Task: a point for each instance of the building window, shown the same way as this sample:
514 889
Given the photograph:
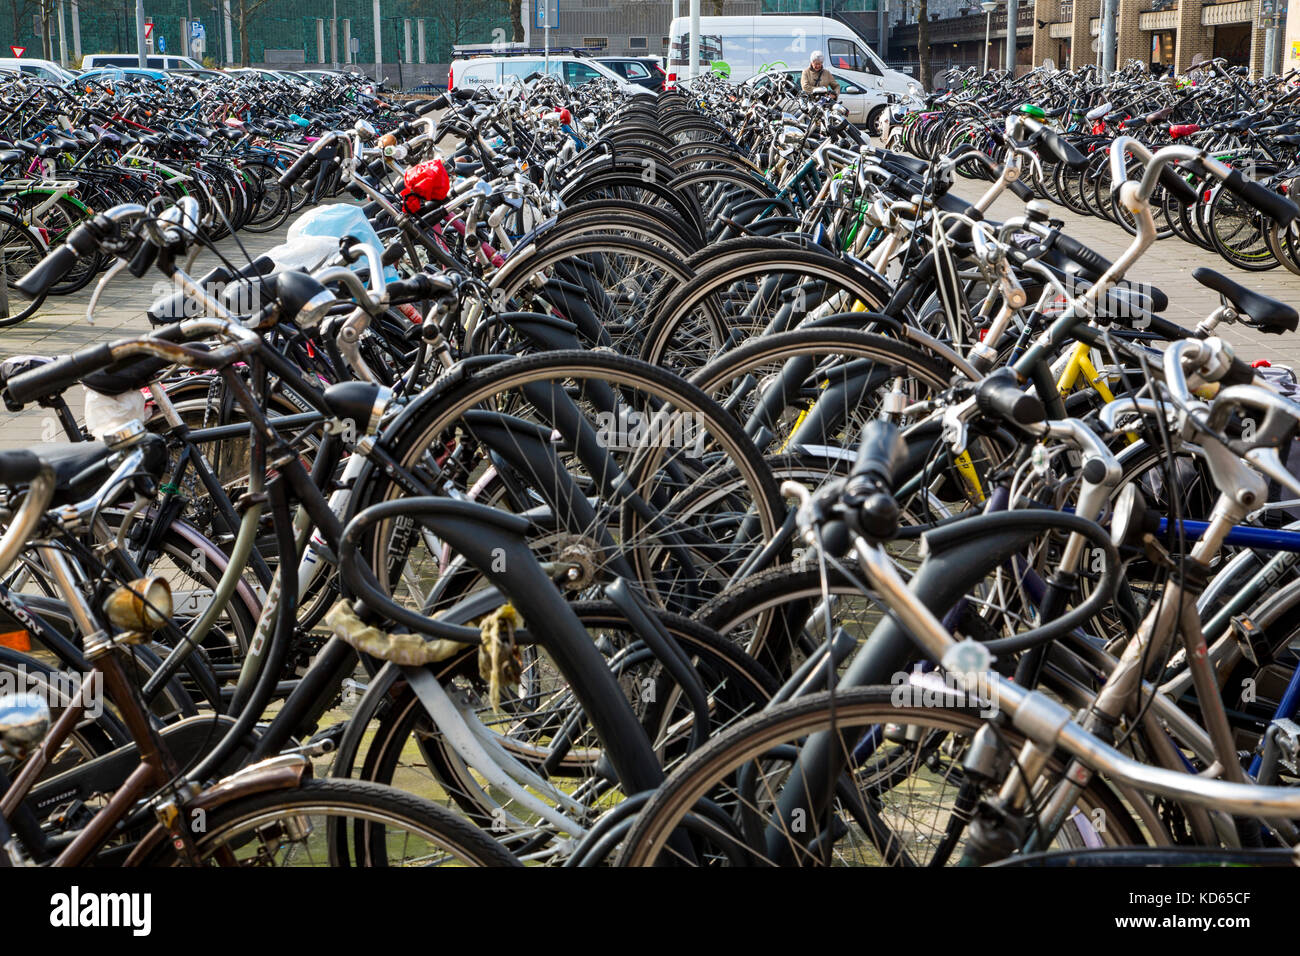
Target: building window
636 43
665 43
598 42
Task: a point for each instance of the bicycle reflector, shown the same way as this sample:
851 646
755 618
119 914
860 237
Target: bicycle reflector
425 182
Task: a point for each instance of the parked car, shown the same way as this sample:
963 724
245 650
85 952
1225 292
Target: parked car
41 69
866 107
109 74
154 61
479 71
641 70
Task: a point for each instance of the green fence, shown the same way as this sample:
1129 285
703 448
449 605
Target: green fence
276 25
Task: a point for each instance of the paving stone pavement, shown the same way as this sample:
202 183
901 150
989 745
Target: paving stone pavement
1168 265
60 326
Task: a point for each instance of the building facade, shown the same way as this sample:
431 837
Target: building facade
1173 33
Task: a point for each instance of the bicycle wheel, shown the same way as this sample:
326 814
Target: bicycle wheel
408 750
54 224
336 823
21 247
619 278
654 481
904 801
1239 233
724 305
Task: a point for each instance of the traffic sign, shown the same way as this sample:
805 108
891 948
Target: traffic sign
354 44
18 50
148 29
162 43
546 14
196 30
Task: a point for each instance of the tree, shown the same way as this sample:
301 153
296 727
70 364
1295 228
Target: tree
465 21
923 42
246 9
715 8
517 20
47 41
21 10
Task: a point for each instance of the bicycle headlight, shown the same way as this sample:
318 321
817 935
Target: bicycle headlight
144 604
303 299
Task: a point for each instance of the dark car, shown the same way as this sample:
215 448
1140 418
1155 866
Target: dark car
641 70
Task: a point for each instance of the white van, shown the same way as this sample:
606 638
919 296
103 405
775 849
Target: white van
41 69
494 71
741 47
153 61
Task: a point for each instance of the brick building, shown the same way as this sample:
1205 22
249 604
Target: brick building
1170 32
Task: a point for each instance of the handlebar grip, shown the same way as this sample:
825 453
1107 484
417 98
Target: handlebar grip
18 467
1062 150
326 160
296 171
880 451
1023 190
1239 372
1085 256
855 134
48 271
1169 331
437 103
58 375
1183 191
1274 205
417 287
1001 395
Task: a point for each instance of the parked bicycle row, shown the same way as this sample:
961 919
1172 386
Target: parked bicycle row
116 136
1251 125
677 480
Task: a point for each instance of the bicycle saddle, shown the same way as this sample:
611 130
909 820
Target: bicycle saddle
1097 112
1267 314
43 150
79 467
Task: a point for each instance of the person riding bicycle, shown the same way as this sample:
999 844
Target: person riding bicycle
816 75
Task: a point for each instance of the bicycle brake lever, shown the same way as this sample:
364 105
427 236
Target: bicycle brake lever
100 286
1269 463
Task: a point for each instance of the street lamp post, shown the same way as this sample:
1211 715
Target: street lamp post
988 6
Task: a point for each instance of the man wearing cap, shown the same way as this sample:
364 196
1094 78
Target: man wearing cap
816 75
